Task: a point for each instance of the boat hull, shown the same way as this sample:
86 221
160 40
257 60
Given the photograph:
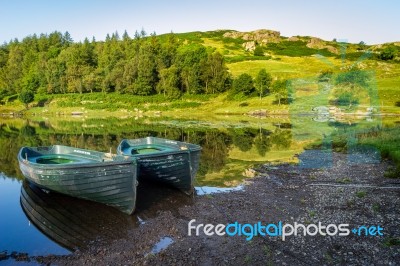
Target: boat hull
111 182
174 163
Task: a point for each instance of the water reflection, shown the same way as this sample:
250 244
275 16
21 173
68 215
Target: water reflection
76 224
71 222
219 146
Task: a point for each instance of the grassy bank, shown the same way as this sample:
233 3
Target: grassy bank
114 104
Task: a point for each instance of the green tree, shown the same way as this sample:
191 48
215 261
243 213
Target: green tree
258 51
243 83
55 76
26 97
147 79
262 82
169 82
191 61
361 46
215 74
280 90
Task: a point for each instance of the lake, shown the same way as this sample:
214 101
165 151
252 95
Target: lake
230 145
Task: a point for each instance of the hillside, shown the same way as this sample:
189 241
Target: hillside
190 69
235 45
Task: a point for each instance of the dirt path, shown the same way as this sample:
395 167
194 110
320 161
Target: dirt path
344 193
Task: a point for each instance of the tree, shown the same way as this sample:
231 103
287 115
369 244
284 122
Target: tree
147 79
262 82
361 46
258 51
215 73
243 83
125 36
169 82
280 90
191 61
67 39
26 97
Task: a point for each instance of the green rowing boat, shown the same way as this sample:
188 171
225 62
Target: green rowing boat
168 161
96 176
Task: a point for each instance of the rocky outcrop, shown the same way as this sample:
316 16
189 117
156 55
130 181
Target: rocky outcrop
317 43
249 46
294 39
259 36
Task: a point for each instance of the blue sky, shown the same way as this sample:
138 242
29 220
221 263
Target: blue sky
371 21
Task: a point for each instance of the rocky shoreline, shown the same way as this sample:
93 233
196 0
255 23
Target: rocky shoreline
357 194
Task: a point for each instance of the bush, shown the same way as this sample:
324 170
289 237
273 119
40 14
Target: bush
26 97
296 48
258 51
388 53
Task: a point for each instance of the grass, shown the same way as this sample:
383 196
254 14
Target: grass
344 180
391 241
361 194
376 207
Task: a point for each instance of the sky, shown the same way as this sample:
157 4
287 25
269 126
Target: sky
370 21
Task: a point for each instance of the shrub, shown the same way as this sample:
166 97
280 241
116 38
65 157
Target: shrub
295 48
258 51
388 53
26 97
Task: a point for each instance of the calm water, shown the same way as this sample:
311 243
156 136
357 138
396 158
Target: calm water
229 147
18 234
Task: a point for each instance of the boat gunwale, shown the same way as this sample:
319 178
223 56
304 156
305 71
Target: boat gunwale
90 164
173 144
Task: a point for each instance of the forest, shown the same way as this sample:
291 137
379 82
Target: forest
142 65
